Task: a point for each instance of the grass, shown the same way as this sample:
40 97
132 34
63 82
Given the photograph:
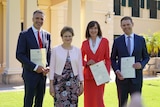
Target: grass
151 96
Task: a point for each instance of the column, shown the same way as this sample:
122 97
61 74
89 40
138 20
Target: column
29 7
4 35
56 25
46 10
1 35
12 71
86 15
108 29
74 20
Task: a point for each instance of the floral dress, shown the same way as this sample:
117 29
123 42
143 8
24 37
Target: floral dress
66 87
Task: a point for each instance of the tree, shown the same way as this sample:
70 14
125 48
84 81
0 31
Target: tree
153 43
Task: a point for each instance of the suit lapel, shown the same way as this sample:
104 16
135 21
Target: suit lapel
135 44
124 44
32 36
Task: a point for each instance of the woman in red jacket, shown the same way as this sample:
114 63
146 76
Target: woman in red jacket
94 49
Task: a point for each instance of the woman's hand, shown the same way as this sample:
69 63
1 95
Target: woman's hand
91 62
81 89
51 89
46 70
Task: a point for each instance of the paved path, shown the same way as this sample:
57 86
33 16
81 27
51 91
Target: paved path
18 87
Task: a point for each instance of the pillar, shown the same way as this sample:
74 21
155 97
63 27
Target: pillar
46 10
29 7
4 35
86 15
74 20
1 35
57 23
12 71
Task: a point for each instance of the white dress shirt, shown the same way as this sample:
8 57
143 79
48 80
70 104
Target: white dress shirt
95 47
35 31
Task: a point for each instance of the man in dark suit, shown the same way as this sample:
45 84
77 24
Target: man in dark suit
34 75
137 49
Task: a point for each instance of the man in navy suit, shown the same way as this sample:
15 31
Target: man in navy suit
34 75
138 49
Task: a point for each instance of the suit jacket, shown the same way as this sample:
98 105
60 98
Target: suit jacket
26 42
102 53
119 50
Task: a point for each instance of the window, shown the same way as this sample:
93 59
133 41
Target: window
129 3
153 9
117 7
158 5
135 8
148 4
123 2
142 3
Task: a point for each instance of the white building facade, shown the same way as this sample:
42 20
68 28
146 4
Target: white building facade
16 15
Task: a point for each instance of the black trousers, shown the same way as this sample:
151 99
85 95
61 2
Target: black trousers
34 91
126 87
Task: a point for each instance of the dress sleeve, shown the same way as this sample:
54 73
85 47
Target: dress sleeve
107 57
84 62
52 63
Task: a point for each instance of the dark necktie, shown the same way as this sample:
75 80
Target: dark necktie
40 41
129 45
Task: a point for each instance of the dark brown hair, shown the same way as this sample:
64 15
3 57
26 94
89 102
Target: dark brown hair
90 25
65 29
127 18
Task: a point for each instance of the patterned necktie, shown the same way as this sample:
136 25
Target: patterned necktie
129 45
39 40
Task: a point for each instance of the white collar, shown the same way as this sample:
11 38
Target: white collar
98 40
35 30
131 35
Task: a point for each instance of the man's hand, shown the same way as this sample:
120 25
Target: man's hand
40 69
137 65
43 70
119 75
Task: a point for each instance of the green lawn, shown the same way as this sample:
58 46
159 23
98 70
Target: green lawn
151 96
